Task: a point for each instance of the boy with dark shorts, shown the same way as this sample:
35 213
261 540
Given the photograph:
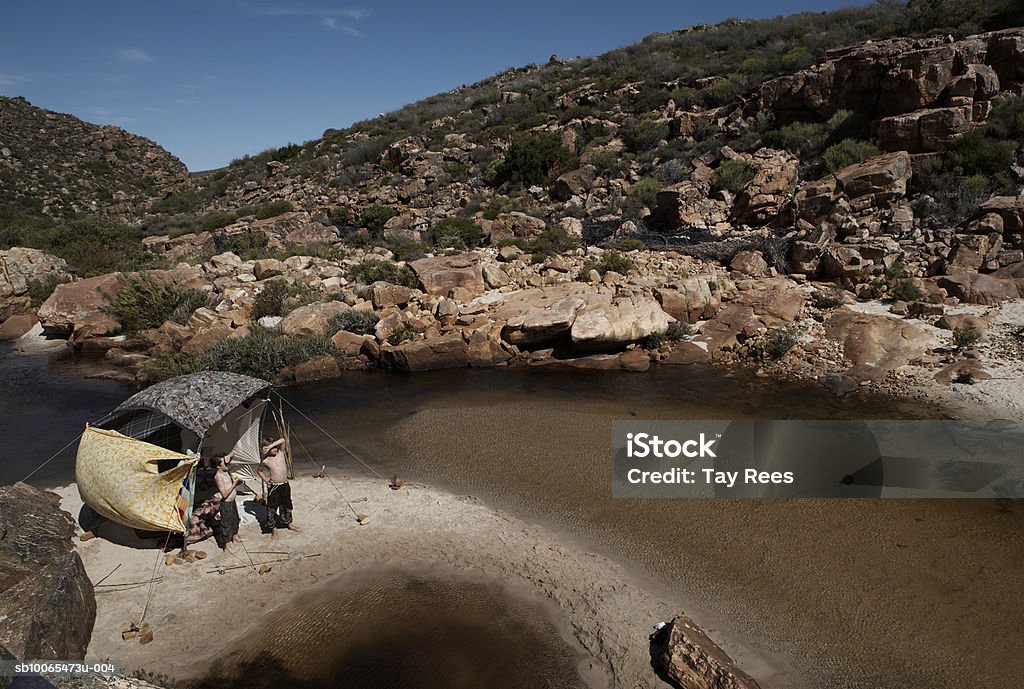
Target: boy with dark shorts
227 533
273 471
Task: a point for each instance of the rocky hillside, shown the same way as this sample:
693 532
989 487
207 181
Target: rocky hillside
57 165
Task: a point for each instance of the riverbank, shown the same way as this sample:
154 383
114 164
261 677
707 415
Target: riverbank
606 610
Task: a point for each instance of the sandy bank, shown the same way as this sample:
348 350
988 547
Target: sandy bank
606 609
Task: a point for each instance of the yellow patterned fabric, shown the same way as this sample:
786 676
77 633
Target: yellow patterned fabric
117 476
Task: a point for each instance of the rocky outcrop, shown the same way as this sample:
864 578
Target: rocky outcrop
981 288
311 320
447 351
19 268
46 599
516 225
768 194
618 321
686 204
445 275
75 306
922 93
575 183
692 661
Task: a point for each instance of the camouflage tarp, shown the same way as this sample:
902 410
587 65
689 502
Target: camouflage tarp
196 401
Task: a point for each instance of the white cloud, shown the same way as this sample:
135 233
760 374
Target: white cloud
353 13
133 56
12 79
332 23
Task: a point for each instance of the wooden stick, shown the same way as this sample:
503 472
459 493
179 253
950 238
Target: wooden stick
268 562
108 576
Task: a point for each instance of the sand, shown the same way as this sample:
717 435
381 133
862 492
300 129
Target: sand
608 610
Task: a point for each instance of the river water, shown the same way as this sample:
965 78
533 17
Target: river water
854 593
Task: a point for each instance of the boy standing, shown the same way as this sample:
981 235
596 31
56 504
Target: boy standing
227 534
279 491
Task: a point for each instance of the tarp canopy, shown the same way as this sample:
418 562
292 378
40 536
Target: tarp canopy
118 477
196 401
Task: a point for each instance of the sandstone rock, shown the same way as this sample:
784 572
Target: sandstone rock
882 179
321 368
968 370
572 226
924 130
494 276
16 326
687 353
731 325
963 321
690 301
46 597
72 303
207 336
267 268
876 344
307 321
635 360
448 351
439 276
484 350
270 322
575 183
406 228
351 344
686 204
516 224
771 189
844 263
979 288
750 263
619 321
384 294
538 316
691 660
18 268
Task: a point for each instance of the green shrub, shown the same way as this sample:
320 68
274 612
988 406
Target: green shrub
40 290
614 261
375 270
965 338
905 290
143 302
641 195
263 353
340 216
456 233
677 332
91 246
169 365
402 333
273 209
848 152
270 300
409 251
214 220
779 341
829 298
629 245
722 92
732 175
976 154
553 240
642 135
250 244
534 159
355 321
374 218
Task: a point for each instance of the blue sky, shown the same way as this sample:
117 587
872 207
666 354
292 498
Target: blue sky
212 80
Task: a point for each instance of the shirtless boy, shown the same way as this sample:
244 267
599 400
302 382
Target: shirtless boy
227 534
273 471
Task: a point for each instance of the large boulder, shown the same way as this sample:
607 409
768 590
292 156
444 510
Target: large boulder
516 225
878 181
75 304
311 320
981 288
47 602
619 321
688 300
771 189
924 130
875 344
686 204
575 183
539 316
18 268
439 276
447 351
691 660
406 228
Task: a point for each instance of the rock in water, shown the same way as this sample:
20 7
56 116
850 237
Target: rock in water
46 598
693 661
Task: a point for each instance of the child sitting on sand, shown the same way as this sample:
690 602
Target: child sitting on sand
279 491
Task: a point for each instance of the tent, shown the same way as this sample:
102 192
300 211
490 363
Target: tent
137 465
